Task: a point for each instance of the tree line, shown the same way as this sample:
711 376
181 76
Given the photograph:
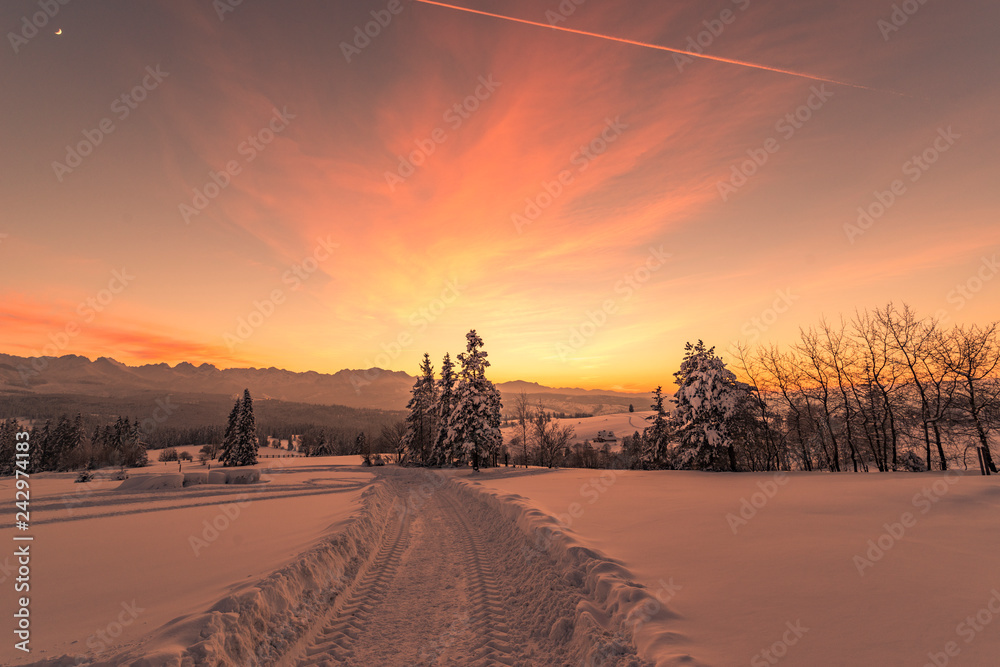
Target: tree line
884 390
67 445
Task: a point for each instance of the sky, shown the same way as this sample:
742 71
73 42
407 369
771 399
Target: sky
264 184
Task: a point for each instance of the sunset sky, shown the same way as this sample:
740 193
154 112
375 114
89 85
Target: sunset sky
374 270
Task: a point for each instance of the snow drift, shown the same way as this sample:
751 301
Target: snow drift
615 602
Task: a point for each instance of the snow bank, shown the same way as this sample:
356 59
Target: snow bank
616 603
258 623
178 480
111 567
795 569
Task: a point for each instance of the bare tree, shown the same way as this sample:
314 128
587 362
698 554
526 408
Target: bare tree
816 369
392 439
915 341
973 354
840 359
881 380
522 415
550 438
787 378
752 368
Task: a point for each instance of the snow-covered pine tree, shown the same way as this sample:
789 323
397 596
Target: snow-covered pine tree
59 444
228 453
707 401
247 442
135 454
444 447
475 419
656 437
421 423
362 447
39 442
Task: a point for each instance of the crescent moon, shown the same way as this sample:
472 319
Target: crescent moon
59 31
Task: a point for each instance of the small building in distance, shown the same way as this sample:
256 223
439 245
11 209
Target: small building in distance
606 436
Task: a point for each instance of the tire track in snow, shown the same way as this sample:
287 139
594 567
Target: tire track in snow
451 586
218 497
488 616
333 646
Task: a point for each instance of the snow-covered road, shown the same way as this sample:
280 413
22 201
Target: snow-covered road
452 584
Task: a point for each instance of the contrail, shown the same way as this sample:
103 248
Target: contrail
691 54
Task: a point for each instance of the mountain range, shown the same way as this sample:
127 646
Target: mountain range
358 388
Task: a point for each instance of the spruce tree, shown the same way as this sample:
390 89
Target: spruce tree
421 423
475 418
708 403
247 443
362 447
39 444
97 453
443 449
135 452
229 445
59 445
8 444
656 437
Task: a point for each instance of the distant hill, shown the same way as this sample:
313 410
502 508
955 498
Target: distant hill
371 388
186 411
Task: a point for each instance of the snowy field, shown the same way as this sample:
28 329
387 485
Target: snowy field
316 565
803 569
109 566
586 428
